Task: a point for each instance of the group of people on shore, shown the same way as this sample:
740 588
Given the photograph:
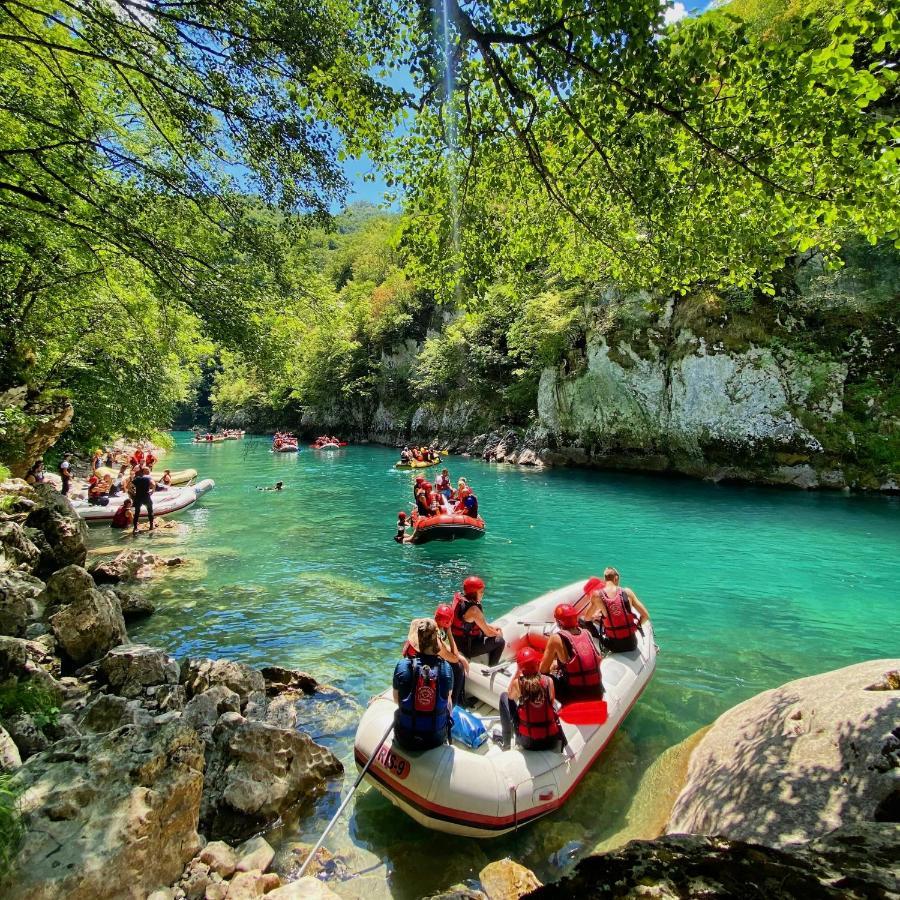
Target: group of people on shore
430 678
419 454
437 499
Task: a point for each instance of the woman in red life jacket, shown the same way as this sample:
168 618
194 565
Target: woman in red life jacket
443 617
528 706
123 516
571 657
474 635
619 612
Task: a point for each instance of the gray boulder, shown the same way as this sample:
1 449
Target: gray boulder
131 668
112 815
133 605
17 549
107 712
63 531
792 764
203 710
278 679
10 758
199 675
129 565
18 602
91 623
26 735
256 772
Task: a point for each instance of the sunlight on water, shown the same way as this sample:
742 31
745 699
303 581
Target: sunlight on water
748 588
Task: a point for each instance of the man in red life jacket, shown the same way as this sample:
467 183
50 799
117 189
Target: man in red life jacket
572 659
618 611
474 635
527 707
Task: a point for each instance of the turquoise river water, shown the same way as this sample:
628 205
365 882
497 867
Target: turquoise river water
748 588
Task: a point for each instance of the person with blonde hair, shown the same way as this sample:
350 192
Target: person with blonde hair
422 687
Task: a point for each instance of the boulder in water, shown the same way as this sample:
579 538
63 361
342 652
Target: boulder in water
256 772
279 680
793 763
129 565
505 879
133 604
111 815
199 675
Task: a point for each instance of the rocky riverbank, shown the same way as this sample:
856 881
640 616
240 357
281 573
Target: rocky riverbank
136 772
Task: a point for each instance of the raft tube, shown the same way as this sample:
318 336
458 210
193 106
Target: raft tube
165 503
182 476
446 527
417 464
489 792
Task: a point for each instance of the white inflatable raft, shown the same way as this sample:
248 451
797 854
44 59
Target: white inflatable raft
165 502
180 476
489 792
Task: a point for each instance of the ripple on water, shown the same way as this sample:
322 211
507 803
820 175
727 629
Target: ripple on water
741 583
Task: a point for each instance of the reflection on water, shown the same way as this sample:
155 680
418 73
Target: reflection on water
748 588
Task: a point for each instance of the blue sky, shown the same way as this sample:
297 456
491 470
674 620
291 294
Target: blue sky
373 192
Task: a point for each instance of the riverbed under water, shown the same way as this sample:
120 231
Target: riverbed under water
747 588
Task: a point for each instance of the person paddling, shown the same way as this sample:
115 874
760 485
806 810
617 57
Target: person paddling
527 708
422 686
472 631
571 658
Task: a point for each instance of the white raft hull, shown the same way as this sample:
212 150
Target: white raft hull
489 792
165 503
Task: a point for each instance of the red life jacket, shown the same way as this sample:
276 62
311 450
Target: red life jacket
621 622
537 719
460 628
408 650
583 668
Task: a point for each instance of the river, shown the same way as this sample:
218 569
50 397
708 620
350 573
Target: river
747 588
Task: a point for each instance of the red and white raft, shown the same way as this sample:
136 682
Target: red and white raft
489 792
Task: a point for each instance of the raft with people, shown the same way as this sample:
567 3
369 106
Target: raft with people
167 502
177 478
448 526
284 442
327 443
478 787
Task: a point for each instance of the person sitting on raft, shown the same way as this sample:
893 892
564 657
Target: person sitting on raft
443 617
422 686
404 455
613 607
571 658
468 506
471 630
123 516
98 492
527 708
422 505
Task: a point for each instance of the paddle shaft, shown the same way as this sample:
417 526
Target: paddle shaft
345 801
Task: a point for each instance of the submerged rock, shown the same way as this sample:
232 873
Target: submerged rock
255 772
848 864
129 565
794 763
108 816
133 605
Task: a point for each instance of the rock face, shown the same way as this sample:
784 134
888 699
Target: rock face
63 532
109 816
254 772
18 606
90 622
131 668
47 418
849 864
794 763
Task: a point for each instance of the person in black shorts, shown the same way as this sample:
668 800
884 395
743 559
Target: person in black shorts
142 485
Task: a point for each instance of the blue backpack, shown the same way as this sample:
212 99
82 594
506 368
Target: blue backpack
467 728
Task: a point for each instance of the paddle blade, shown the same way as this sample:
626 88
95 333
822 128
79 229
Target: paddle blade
587 712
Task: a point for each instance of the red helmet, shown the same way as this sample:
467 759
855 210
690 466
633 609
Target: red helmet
401 514
472 585
443 615
592 585
566 615
529 661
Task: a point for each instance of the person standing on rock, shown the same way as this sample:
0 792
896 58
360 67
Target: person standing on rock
65 473
142 485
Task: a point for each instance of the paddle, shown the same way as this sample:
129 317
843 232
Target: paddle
586 712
